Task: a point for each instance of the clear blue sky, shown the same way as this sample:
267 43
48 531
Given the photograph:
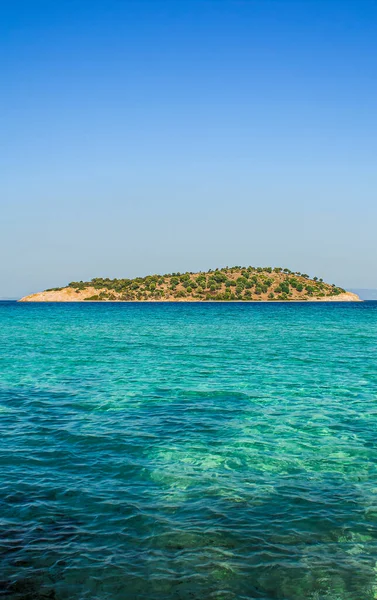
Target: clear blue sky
142 136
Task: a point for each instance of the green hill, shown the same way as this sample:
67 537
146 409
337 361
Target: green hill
226 284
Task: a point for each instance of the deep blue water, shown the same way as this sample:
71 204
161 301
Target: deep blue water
188 451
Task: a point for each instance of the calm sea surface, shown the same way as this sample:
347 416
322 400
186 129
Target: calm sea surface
188 452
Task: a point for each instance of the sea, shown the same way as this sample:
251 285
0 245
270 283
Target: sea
188 451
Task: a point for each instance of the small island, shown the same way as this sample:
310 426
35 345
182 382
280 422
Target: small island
229 284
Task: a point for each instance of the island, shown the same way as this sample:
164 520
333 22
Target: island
228 284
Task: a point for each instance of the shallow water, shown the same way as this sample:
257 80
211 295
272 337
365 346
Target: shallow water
189 452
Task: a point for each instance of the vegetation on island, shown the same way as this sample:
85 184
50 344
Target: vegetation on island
226 284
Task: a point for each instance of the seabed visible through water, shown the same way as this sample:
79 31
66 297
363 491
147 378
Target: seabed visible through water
188 451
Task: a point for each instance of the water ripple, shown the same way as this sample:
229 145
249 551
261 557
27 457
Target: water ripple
188 452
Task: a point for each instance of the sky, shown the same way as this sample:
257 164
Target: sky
152 136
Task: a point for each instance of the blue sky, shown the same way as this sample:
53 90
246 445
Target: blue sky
145 136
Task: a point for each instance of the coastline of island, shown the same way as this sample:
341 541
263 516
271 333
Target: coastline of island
229 284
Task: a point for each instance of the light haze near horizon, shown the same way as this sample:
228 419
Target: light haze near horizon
156 136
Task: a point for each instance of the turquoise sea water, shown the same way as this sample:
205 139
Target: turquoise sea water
188 452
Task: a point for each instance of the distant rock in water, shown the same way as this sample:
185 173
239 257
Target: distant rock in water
230 284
